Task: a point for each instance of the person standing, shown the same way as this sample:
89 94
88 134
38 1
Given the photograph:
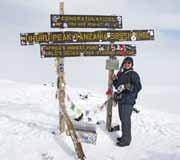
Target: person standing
127 83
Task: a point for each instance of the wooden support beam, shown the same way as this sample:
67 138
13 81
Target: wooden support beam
111 64
61 81
110 101
63 115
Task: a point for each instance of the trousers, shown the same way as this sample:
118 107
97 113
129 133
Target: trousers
125 112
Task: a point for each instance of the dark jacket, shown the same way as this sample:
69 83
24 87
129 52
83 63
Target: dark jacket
132 77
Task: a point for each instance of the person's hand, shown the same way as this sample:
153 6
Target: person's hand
114 77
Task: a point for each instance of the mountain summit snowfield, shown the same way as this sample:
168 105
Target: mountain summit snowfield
29 113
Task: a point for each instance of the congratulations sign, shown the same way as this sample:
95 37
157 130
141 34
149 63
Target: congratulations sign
85 21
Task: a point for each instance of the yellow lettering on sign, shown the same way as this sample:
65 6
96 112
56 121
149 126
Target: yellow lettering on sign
143 35
121 35
72 24
29 38
54 37
74 18
65 37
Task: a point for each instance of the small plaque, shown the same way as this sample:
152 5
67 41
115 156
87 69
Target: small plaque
112 64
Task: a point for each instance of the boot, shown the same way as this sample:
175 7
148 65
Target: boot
122 144
119 139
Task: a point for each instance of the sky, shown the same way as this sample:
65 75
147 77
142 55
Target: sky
156 61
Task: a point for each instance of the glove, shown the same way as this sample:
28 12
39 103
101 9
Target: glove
114 77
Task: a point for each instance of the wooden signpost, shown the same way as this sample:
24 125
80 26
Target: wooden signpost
72 44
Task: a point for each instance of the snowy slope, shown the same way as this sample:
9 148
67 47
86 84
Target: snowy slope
29 112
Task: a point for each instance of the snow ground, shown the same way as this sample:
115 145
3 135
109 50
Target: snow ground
29 113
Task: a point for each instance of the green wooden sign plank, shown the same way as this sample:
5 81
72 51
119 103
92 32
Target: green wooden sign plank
85 21
97 36
75 50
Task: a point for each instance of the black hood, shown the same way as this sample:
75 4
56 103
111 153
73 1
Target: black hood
128 59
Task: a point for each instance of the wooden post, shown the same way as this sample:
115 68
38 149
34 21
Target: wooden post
111 64
61 81
63 115
110 101
72 132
